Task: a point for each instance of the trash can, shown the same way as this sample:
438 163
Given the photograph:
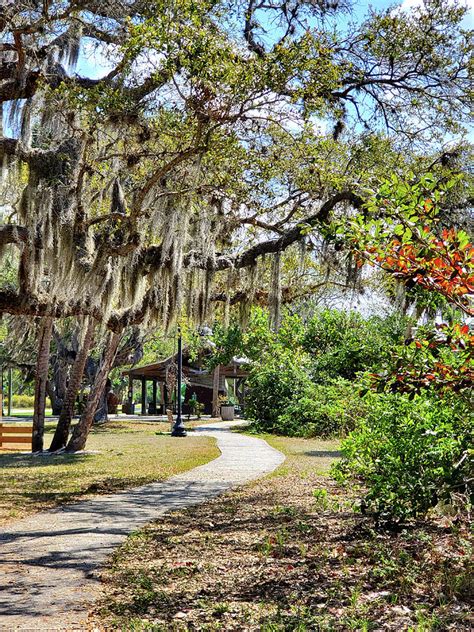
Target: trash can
128 408
228 412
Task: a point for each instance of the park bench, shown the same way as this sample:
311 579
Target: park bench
15 434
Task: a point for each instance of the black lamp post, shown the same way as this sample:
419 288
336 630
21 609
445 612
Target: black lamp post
178 429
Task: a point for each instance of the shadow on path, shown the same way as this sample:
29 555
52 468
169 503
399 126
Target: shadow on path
50 562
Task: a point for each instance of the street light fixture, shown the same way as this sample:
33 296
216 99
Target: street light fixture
178 429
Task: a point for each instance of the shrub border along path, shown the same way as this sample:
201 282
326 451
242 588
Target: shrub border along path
49 562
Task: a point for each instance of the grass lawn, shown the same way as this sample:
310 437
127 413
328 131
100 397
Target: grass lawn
129 454
289 552
26 412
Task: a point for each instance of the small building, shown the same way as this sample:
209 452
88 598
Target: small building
201 384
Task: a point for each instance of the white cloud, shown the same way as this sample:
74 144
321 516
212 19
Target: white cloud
468 21
406 5
409 4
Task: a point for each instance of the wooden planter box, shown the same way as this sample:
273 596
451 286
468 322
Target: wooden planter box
228 413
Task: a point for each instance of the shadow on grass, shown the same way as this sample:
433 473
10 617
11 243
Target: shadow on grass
87 534
29 460
105 486
329 563
322 454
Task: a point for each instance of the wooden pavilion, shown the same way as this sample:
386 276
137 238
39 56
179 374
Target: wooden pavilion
204 385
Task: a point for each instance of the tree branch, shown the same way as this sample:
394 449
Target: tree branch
249 257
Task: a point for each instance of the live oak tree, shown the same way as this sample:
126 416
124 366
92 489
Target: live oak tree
209 145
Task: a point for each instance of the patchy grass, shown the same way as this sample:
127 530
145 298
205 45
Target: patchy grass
304 457
130 454
289 552
158 426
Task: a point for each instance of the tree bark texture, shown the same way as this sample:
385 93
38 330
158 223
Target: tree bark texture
64 423
42 365
81 430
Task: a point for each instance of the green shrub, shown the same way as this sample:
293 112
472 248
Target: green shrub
324 410
23 401
343 344
280 378
410 455
283 400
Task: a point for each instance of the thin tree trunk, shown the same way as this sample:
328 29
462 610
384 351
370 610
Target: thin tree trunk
64 422
59 386
81 430
42 365
102 412
51 393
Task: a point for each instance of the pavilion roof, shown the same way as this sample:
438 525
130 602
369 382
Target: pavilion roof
157 370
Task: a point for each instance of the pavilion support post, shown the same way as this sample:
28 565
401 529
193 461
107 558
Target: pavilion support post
130 392
215 392
239 389
154 397
163 397
144 396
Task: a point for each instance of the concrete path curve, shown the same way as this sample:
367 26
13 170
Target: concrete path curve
49 562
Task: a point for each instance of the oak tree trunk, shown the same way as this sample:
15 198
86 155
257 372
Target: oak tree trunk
81 430
59 385
64 423
42 365
51 393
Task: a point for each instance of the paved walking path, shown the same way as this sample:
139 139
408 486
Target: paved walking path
50 562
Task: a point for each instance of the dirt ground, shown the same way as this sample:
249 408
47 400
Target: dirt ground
290 552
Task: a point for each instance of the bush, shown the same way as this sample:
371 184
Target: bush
324 410
409 454
279 379
23 401
344 344
282 399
